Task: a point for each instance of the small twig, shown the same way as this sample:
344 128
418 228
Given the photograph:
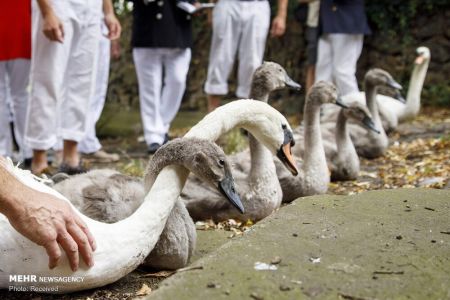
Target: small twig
389 272
429 208
166 274
445 232
350 297
189 269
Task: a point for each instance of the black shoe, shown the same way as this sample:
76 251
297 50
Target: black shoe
153 147
27 163
166 138
65 168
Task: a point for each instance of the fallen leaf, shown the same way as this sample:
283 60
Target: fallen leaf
145 290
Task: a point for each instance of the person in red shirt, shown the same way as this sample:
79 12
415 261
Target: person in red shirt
15 55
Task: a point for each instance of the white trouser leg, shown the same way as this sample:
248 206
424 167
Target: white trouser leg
227 32
5 132
81 74
19 74
148 63
324 68
176 67
256 22
346 50
90 142
48 65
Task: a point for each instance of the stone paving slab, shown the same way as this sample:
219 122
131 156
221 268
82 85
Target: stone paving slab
390 244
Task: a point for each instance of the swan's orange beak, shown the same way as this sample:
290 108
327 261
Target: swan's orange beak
285 155
419 60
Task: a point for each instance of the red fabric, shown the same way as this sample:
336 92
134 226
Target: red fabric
15 29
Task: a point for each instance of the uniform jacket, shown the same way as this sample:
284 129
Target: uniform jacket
343 16
160 24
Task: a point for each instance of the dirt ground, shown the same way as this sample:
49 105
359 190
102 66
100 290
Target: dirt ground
418 157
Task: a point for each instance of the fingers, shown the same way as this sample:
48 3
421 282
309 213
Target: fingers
60 33
53 252
54 29
55 34
86 231
83 244
278 28
71 248
114 30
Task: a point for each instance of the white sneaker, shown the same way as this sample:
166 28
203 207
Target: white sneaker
102 156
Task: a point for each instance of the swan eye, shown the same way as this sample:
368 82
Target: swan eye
221 162
283 126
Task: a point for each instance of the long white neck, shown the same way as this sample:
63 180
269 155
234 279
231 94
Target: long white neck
412 106
239 113
371 94
378 140
261 157
315 163
343 141
121 246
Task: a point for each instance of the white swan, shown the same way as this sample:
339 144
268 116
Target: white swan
122 246
259 189
314 176
368 143
393 110
410 109
343 161
108 196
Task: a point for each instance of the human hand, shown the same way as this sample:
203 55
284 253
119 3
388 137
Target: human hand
115 49
278 26
209 17
53 28
48 221
113 25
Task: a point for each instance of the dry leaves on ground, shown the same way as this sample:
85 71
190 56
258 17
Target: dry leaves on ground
418 163
144 290
235 227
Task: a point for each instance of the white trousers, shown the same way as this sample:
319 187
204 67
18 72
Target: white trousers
90 142
336 60
161 74
62 76
14 79
238 27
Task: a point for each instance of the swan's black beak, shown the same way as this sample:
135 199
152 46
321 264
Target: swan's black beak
394 84
285 153
226 187
398 96
340 103
291 83
370 125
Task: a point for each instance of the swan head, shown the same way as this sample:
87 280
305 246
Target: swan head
423 55
360 114
209 163
378 77
271 129
324 92
399 97
271 76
